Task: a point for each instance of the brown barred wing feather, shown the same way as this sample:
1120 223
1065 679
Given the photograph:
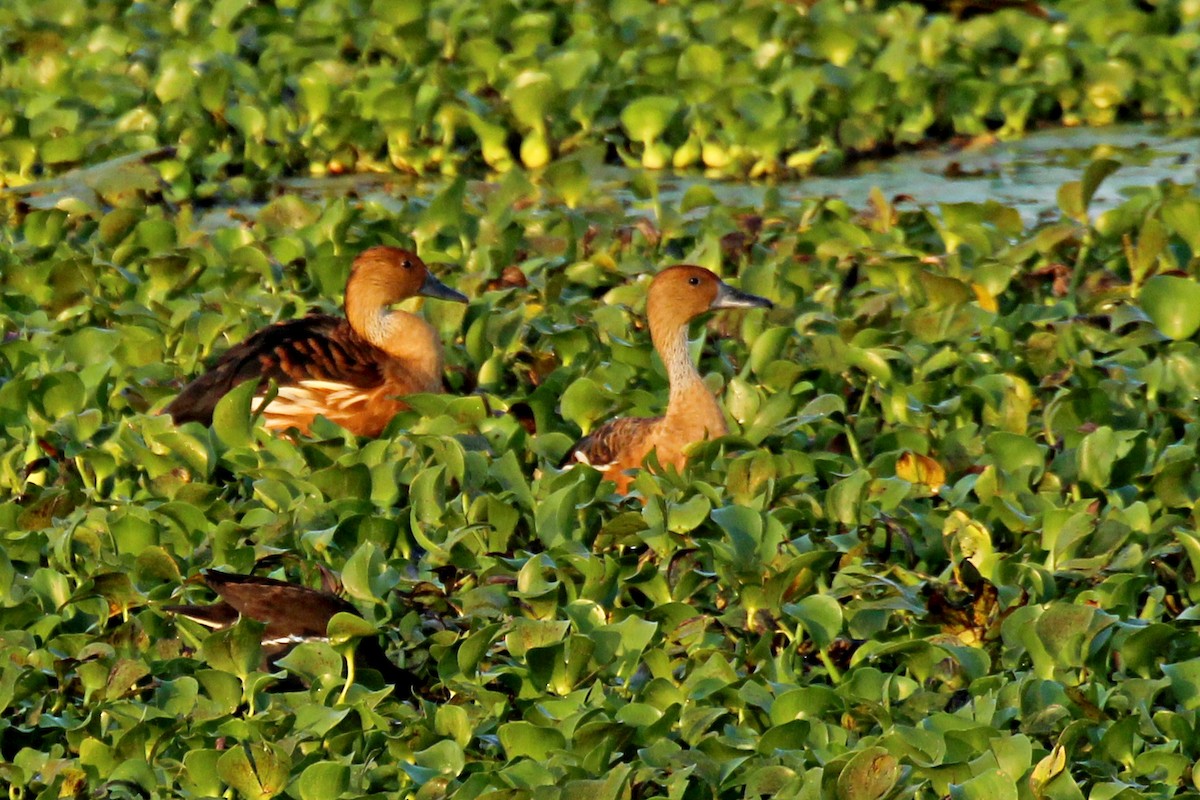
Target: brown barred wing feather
316 347
619 444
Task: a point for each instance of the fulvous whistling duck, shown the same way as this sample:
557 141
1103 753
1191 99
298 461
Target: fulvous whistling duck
677 295
349 369
292 614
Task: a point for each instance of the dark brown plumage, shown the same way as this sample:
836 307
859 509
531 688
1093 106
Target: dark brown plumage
350 369
317 347
291 613
605 444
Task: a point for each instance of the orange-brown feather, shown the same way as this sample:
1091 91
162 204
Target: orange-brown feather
677 295
351 370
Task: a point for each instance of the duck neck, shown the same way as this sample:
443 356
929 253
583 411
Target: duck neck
412 342
690 398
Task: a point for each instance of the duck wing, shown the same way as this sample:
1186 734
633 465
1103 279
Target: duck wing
317 347
614 442
288 609
292 614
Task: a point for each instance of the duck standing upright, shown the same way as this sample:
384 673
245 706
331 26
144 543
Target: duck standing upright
351 369
677 295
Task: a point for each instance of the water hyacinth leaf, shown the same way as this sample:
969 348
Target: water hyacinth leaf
1066 632
821 616
233 424
1048 768
584 402
920 469
787 736
312 661
526 740
472 651
1173 304
177 697
847 497
133 772
530 96
1143 650
445 756
366 576
223 689
990 785
527 634
1099 451
258 770
869 775
1182 216
345 627
1013 452
453 721
323 779
1094 175
124 676
225 12
645 118
320 720
63 394
200 772
236 650
1184 677
683 517
614 786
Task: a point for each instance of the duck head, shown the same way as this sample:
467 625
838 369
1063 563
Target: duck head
391 274
680 293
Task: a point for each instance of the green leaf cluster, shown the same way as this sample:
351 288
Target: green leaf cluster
241 92
949 549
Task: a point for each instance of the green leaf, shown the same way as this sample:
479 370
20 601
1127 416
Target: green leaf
445 757
1184 677
1012 452
1182 216
233 424
63 394
236 650
258 770
869 775
344 627
990 785
200 772
645 118
323 780
584 402
847 497
1066 632
1173 304
526 740
821 616
1099 451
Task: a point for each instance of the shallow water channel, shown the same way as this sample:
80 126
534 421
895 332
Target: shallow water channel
1024 173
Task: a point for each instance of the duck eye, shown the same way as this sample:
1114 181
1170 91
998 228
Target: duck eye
694 281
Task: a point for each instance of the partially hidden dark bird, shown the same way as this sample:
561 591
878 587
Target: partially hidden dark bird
677 295
353 370
292 614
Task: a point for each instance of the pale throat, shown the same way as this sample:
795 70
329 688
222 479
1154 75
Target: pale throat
690 401
405 337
